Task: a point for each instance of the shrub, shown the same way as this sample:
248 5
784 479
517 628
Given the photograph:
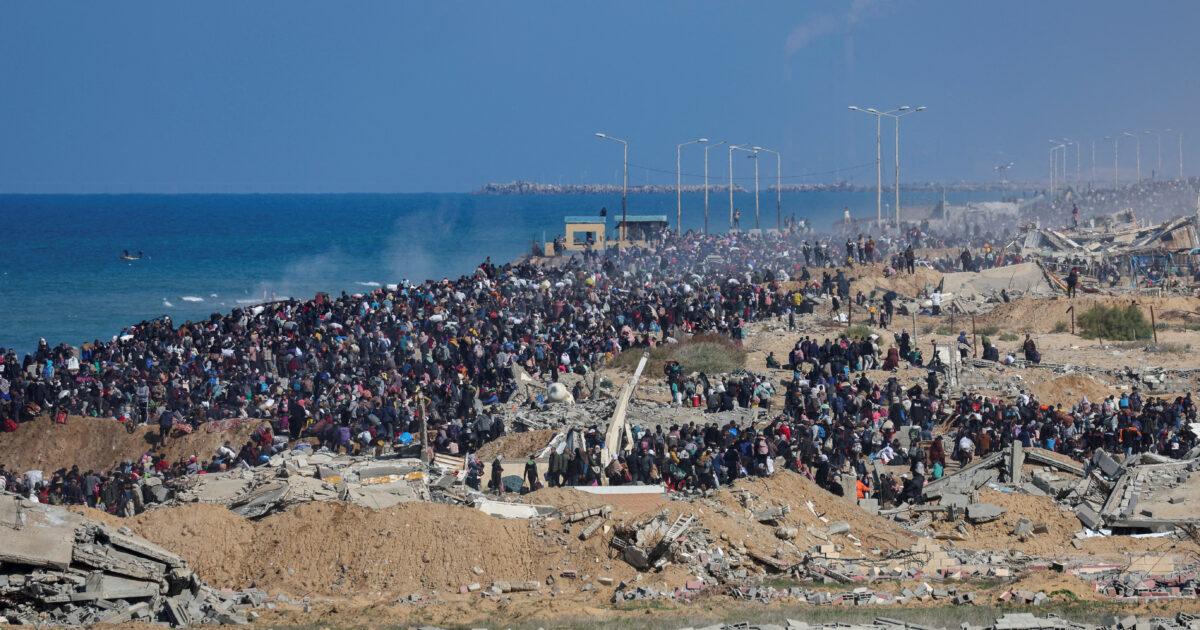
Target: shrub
1060 327
1009 337
1116 323
945 329
988 330
711 354
857 330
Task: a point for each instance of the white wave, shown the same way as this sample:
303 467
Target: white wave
368 284
167 304
249 301
191 298
212 295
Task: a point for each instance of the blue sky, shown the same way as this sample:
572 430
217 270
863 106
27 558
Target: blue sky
445 96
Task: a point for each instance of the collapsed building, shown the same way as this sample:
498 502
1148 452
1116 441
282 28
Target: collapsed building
60 568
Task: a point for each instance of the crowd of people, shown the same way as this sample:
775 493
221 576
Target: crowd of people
356 372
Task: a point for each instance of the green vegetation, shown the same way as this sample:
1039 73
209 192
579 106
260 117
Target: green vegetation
1116 323
988 330
1009 337
711 354
945 329
1060 327
857 330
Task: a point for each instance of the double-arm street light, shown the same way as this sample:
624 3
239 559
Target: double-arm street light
679 185
731 148
1068 142
1158 171
1138 141
778 186
624 180
1054 165
754 156
706 182
906 111
879 156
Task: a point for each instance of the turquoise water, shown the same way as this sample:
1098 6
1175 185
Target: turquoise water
62 277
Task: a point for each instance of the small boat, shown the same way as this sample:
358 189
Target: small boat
125 255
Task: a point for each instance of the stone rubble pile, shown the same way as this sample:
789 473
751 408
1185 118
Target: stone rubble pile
58 568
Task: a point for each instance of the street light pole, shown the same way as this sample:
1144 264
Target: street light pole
1180 149
1158 171
1138 144
897 118
778 186
624 183
679 186
706 182
1116 161
731 148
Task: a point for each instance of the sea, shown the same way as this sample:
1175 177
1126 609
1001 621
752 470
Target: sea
62 277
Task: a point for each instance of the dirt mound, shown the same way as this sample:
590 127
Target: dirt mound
1068 390
517 445
1059 586
338 549
868 278
101 443
1041 315
997 534
210 537
788 488
566 499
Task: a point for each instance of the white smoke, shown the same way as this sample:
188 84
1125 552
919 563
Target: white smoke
827 24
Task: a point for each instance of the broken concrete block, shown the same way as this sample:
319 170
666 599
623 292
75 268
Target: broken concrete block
1106 464
1089 517
984 512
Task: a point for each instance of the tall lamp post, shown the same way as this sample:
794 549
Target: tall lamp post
778 186
1180 150
706 182
878 157
754 156
731 148
1138 143
624 181
1054 166
897 118
1068 141
679 186
1116 161
1158 171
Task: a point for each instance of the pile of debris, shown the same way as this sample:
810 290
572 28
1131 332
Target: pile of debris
298 476
60 568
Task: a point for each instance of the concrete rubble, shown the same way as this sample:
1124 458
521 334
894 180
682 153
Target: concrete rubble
59 568
299 476
1144 493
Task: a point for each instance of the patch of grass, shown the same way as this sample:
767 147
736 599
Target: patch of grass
988 330
1116 323
1009 337
857 330
711 354
945 329
1191 326
925 330
1174 348
1061 327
